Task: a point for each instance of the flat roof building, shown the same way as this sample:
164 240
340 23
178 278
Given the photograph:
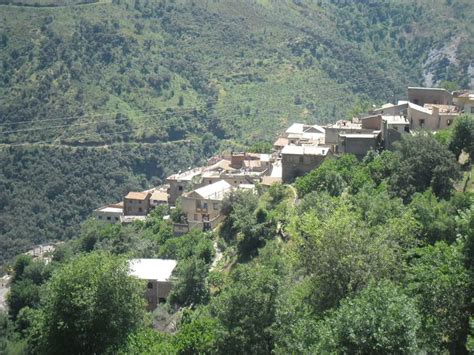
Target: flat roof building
298 160
158 274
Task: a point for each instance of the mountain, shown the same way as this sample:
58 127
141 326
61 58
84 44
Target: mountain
82 83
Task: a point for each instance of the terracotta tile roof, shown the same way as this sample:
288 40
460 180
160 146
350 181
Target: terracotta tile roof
137 195
158 195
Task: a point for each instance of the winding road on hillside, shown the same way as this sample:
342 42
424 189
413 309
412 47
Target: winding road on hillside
89 145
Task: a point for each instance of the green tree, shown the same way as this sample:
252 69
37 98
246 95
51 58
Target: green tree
21 262
25 289
23 293
90 305
6 330
194 244
148 341
198 333
190 289
245 309
436 217
342 255
380 320
446 84
295 325
361 106
333 176
470 338
261 147
238 209
437 280
463 136
424 163
381 165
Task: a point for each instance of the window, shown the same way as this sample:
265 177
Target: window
161 300
100 217
140 202
215 205
198 205
210 182
301 160
150 285
180 188
422 122
472 109
140 209
204 206
449 122
116 218
416 101
108 218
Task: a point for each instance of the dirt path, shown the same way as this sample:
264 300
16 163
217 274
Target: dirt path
4 288
218 256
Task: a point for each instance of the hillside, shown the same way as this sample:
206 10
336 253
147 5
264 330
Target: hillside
125 72
254 64
356 257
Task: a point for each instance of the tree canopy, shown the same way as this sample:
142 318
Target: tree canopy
90 305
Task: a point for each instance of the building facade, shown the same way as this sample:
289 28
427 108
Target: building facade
203 205
157 274
421 96
299 160
136 204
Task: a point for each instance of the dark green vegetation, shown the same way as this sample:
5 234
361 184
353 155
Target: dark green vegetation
45 192
366 267
151 71
220 66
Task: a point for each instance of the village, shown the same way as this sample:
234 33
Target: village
199 192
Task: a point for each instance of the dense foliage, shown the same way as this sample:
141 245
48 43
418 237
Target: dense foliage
92 74
361 271
371 256
45 192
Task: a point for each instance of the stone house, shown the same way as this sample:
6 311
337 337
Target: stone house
136 204
355 137
109 214
437 96
178 183
299 160
303 134
391 126
203 205
157 273
465 101
430 117
359 144
158 198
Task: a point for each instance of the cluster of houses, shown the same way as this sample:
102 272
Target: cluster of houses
300 149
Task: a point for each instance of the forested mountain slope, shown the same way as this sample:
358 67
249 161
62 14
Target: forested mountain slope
161 71
240 64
